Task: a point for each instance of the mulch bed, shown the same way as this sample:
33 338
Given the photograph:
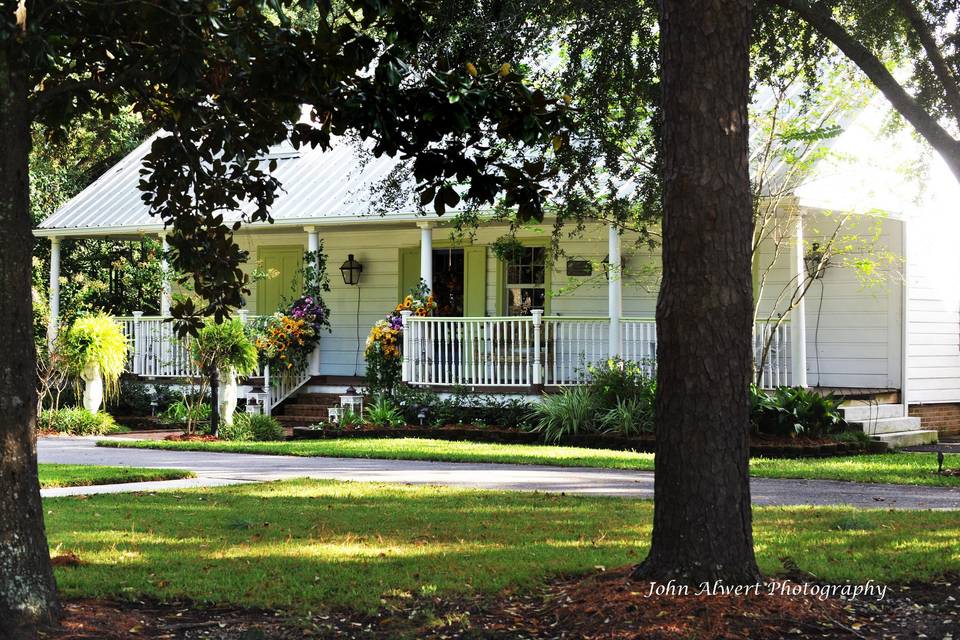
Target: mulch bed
766 446
607 605
191 437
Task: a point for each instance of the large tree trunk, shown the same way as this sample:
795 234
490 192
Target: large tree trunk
27 589
702 519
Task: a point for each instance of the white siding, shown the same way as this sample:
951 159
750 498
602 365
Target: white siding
857 344
853 330
933 274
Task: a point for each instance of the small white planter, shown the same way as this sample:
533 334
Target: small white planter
92 387
228 395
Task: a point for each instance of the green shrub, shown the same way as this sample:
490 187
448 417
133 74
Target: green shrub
133 400
239 431
77 422
629 418
796 411
618 380
383 413
264 428
570 412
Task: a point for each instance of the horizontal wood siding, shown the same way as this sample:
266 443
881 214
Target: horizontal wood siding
934 298
853 346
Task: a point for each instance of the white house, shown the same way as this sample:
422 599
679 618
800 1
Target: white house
894 347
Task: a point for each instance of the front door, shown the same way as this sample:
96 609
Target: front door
459 279
284 282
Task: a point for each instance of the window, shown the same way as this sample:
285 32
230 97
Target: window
526 286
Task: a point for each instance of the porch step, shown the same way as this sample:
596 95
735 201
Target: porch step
297 421
899 439
885 425
865 412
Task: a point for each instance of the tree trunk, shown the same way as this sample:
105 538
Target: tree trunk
214 401
27 589
702 518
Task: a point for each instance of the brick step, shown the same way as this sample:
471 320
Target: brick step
298 421
869 412
886 425
298 409
329 399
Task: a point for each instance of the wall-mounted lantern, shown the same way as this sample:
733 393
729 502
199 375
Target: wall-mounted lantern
351 270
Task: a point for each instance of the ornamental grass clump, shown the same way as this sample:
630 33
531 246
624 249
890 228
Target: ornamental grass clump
95 345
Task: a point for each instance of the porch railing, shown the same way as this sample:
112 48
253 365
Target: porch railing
157 352
523 351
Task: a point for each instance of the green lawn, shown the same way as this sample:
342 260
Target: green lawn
83 475
902 468
304 545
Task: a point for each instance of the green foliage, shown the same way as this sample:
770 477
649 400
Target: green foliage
238 431
185 411
571 412
462 407
116 276
796 411
618 379
224 345
383 413
350 418
96 340
350 61
134 399
77 422
629 418
265 428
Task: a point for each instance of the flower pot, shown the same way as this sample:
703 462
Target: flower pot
92 387
228 395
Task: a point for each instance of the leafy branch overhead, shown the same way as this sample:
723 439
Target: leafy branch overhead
225 81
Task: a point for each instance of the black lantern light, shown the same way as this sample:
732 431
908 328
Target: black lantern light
351 270
815 262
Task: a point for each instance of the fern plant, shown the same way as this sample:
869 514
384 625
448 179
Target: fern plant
96 340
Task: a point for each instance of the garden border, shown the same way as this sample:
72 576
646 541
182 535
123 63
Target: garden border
591 441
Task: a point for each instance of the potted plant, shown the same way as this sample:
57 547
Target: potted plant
226 352
95 351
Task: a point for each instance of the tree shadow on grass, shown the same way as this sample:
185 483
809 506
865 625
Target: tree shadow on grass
309 545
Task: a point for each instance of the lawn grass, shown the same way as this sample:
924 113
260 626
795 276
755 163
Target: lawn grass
897 468
84 475
305 545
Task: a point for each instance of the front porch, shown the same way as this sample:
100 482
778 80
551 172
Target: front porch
515 353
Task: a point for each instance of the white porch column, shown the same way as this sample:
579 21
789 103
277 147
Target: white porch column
313 245
426 253
53 322
165 268
798 320
614 290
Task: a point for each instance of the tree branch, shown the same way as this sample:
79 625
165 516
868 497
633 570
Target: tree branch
940 67
925 124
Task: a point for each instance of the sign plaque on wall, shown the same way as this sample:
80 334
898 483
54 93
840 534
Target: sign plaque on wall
579 268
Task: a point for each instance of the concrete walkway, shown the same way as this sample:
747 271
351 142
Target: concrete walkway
215 469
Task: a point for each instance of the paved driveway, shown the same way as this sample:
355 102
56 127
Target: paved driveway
214 469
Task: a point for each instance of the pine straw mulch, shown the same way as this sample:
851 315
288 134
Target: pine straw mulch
603 606
191 437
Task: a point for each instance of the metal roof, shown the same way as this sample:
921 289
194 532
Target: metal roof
318 187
